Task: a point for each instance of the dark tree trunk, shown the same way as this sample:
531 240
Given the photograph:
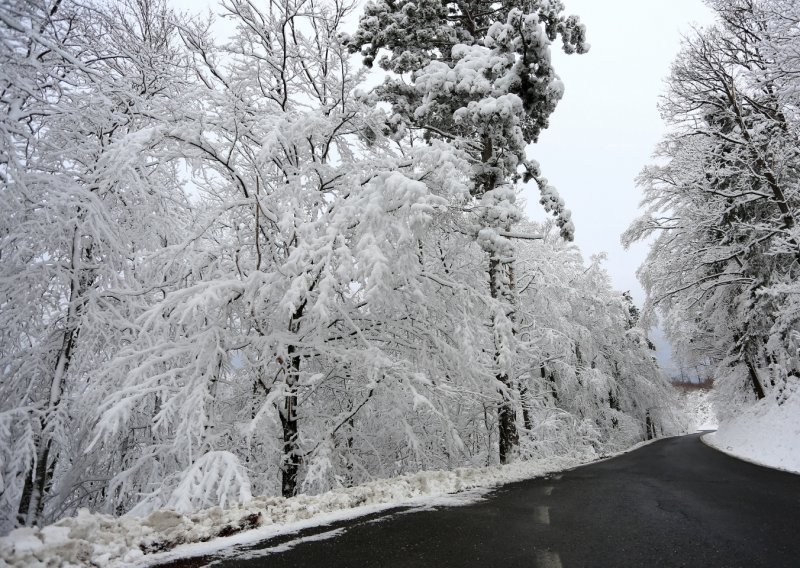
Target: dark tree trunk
648 424
37 484
758 390
291 459
550 377
509 437
43 481
25 500
524 396
292 456
291 449
506 413
38 481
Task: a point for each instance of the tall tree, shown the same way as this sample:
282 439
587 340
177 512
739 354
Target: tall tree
478 74
302 273
724 201
86 197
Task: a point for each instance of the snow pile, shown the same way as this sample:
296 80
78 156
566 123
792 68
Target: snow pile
699 407
95 539
767 433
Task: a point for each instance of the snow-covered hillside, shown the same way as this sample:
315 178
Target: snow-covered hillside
766 433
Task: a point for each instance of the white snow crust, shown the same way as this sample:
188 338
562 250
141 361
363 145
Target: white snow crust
94 539
767 433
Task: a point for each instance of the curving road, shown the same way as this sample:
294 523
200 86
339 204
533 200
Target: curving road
674 503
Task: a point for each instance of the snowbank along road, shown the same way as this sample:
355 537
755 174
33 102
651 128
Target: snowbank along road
674 503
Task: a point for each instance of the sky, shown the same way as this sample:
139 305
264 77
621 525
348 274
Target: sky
607 125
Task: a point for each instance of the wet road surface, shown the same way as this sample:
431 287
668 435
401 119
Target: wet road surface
673 503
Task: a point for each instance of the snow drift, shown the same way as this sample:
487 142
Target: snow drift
766 433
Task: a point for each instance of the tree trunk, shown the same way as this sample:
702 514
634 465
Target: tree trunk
755 383
291 450
506 413
25 500
292 457
38 482
509 437
550 378
42 483
524 395
649 426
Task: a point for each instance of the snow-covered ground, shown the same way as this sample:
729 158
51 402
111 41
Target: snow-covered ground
93 539
766 433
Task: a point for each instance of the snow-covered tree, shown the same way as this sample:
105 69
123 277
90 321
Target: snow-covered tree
587 375
724 199
86 196
478 74
226 271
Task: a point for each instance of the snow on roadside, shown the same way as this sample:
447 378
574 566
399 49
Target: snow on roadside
766 434
223 546
94 539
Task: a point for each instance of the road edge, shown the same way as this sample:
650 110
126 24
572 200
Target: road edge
730 453
217 545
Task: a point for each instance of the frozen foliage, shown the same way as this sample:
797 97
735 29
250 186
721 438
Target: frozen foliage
216 477
723 203
478 74
699 407
767 433
226 271
86 199
586 354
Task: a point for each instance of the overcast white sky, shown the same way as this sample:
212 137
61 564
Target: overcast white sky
606 127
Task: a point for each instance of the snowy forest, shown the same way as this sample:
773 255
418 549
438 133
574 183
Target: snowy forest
723 204
230 267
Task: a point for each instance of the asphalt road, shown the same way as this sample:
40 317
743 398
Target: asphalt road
672 503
